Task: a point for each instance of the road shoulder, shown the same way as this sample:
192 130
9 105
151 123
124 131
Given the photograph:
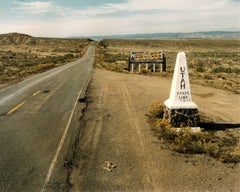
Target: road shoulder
115 129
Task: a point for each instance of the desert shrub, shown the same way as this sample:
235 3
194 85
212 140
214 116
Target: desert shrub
111 66
202 57
156 110
190 142
114 67
230 157
144 71
110 58
190 65
207 76
164 130
112 62
200 67
59 50
221 76
226 70
103 43
212 149
187 141
184 140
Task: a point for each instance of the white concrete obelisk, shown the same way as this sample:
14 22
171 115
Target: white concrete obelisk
180 110
180 95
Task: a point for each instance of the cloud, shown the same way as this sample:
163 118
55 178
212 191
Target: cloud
176 5
127 8
37 8
47 18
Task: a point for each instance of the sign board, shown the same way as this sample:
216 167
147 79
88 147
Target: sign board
146 56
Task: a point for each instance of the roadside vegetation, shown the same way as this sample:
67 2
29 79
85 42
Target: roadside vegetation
211 62
22 55
222 145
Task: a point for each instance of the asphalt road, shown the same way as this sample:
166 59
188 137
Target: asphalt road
38 126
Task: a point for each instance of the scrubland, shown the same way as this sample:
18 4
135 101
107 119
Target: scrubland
222 145
23 55
211 62
117 127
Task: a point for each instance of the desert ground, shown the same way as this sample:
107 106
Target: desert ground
211 62
116 129
115 126
22 55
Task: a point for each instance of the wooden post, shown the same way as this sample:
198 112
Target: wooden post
164 63
129 64
132 67
139 66
154 67
146 66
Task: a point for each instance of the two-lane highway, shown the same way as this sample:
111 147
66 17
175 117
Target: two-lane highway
38 117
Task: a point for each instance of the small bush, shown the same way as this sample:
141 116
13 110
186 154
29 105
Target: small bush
207 76
200 66
184 140
226 70
232 156
190 142
212 149
164 130
156 110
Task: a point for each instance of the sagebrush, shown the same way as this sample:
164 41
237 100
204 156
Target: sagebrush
184 140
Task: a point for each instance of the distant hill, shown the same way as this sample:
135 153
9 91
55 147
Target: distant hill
19 38
16 38
194 35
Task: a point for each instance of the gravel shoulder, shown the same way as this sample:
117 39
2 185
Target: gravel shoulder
114 128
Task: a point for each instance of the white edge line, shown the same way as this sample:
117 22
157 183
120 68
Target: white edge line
54 161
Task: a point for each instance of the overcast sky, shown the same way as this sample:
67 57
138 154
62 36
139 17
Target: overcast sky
63 18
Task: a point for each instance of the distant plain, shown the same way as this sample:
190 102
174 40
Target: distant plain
211 62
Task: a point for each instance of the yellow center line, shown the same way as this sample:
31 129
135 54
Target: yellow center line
36 93
16 108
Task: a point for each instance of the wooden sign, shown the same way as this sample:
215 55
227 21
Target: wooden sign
146 56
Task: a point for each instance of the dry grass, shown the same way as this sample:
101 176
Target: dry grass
218 144
214 63
23 55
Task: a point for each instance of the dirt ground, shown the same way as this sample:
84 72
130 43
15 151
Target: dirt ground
115 129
